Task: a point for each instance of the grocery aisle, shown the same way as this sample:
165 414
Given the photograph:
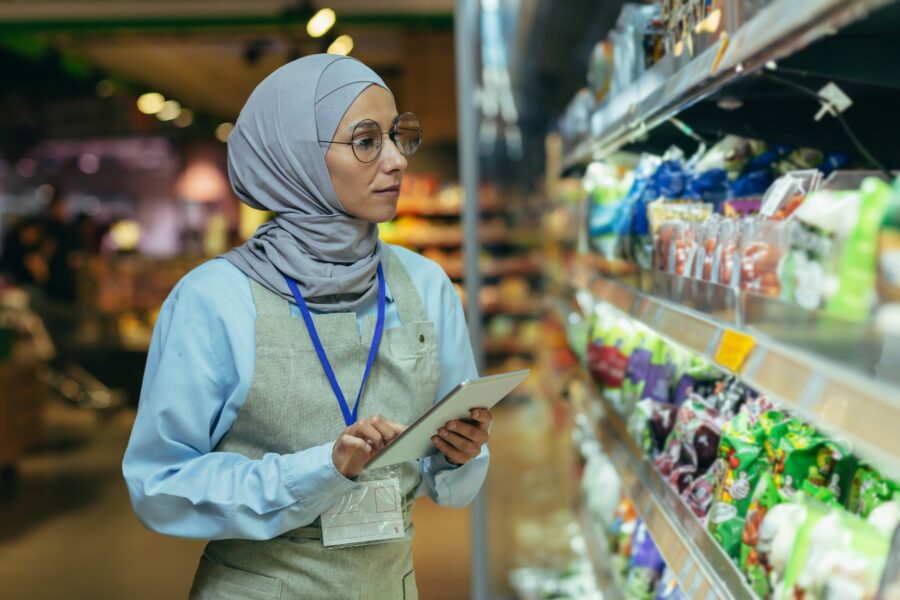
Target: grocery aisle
68 531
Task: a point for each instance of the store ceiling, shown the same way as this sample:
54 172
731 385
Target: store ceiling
210 54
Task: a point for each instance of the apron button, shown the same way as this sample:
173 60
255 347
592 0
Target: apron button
421 339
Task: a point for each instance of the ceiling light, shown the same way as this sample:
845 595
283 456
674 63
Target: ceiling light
223 131
170 111
185 119
343 45
321 22
151 103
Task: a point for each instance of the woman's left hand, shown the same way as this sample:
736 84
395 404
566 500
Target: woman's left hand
460 441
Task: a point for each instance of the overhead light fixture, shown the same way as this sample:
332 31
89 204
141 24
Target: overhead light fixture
321 22
170 111
151 103
223 131
185 119
730 103
343 45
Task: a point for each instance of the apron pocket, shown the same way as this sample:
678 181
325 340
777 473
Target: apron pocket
410 592
218 582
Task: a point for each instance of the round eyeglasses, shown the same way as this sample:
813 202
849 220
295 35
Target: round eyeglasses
367 139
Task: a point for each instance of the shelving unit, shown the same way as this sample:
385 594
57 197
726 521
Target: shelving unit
831 395
675 83
598 551
702 568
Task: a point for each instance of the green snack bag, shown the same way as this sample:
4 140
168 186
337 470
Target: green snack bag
774 426
741 458
858 264
868 491
802 455
842 476
754 561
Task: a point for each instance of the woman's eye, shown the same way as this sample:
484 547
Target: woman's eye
364 143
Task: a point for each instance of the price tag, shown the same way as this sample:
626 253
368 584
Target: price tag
734 349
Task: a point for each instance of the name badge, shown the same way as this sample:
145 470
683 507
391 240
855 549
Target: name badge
372 512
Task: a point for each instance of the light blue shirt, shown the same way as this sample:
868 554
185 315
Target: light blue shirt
199 369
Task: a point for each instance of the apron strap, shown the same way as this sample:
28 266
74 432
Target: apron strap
269 303
406 296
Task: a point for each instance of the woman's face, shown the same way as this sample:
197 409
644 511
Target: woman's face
368 191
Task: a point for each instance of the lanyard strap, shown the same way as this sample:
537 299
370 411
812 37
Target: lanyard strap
349 417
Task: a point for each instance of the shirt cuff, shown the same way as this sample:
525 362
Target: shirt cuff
310 475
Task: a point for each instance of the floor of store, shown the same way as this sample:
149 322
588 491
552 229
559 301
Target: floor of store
67 529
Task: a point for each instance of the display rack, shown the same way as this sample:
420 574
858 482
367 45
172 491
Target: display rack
675 83
702 568
836 398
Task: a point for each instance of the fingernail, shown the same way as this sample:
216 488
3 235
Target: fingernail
443 432
452 426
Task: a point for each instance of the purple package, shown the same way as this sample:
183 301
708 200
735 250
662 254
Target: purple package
683 388
638 365
644 554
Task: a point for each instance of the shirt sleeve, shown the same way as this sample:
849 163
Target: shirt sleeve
191 394
446 484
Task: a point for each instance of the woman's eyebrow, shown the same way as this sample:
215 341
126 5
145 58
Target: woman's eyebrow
352 126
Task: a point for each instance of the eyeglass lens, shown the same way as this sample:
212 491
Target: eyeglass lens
367 140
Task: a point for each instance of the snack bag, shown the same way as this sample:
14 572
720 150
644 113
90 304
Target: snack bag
637 368
645 567
754 560
869 490
836 555
742 458
660 373
699 494
700 377
651 423
691 448
802 455
621 532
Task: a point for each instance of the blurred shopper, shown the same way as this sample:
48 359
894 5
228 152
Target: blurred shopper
23 258
244 434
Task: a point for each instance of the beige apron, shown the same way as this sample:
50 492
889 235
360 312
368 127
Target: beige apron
291 407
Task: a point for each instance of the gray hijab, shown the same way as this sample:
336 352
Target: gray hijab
276 163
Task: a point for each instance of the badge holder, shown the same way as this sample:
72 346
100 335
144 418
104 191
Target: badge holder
372 513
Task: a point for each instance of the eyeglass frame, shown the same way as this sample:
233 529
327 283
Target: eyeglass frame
391 134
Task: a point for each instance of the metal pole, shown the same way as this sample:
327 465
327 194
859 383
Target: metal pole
466 25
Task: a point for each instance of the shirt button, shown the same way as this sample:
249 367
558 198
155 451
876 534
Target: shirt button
421 339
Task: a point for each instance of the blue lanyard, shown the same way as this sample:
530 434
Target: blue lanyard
349 417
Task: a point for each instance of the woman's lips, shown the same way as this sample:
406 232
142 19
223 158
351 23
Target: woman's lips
391 193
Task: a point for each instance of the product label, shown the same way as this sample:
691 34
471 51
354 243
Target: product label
734 349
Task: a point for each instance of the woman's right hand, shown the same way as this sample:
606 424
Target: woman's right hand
359 443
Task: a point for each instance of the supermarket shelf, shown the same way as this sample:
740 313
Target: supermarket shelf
512 346
839 400
675 83
702 568
598 550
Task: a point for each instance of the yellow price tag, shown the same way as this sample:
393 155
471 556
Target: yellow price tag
734 349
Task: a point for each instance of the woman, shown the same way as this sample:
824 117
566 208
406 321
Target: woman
243 433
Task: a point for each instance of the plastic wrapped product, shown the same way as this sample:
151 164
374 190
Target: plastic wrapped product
691 447
645 567
802 454
755 548
869 490
727 254
836 555
742 459
651 423
668 588
700 377
763 246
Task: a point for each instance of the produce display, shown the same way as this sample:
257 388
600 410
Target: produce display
795 510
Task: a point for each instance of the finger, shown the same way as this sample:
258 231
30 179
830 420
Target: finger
449 451
468 431
384 427
368 432
349 442
464 445
482 415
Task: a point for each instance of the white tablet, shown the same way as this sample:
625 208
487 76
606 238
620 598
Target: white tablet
415 442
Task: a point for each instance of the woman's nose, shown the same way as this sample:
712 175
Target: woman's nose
392 159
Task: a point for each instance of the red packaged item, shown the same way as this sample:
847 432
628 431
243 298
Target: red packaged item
662 248
727 246
692 446
707 245
765 243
